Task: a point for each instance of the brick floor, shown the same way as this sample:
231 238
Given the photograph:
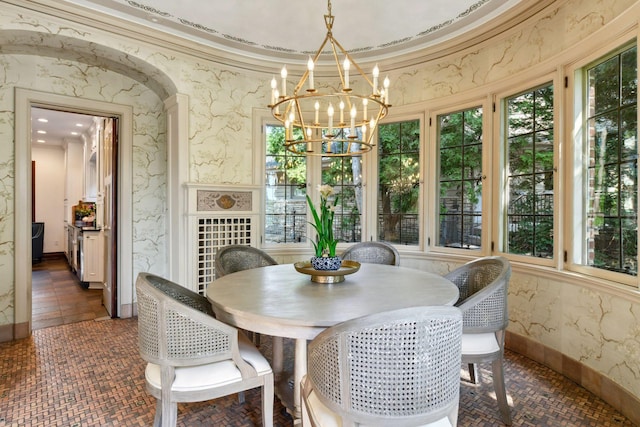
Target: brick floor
89 373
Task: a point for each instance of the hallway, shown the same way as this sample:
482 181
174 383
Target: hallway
58 298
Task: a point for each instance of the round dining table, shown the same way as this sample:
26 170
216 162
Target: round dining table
280 301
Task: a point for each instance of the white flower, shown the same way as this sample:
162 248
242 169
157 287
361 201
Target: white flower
325 190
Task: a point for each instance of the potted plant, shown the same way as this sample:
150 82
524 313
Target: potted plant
325 244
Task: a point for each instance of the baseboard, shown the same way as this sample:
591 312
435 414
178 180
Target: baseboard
597 383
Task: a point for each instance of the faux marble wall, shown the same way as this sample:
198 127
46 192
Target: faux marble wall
598 329
594 326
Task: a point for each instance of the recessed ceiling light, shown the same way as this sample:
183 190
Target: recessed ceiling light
43 120
75 133
79 125
42 141
42 132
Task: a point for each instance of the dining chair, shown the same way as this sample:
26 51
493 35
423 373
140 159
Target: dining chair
483 285
394 368
373 253
191 356
232 258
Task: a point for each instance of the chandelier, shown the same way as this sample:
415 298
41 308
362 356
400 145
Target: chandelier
333 121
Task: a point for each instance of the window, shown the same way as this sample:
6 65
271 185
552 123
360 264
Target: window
610 228
344 174
530 162
399 182
285 189
459 137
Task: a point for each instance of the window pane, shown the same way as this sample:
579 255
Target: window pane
285 203
520 118
629 132
629 84
604 86
460 179
344 174
530 173
612 149
398 182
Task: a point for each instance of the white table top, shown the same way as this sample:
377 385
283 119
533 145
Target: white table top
279 301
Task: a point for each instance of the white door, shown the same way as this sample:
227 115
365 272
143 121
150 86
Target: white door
108 166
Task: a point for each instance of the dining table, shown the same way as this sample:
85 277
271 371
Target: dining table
283 302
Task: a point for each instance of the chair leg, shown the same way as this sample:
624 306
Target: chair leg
169 414
267 401
157 420
500 389
473 373
241 397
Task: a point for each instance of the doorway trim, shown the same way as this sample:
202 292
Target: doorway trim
24 100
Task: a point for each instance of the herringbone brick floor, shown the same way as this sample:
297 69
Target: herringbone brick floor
90 374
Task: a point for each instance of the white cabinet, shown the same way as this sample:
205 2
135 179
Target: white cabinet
92 258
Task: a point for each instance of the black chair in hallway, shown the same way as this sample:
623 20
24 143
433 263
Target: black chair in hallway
37 241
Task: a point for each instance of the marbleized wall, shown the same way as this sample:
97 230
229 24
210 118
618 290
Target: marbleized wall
597 326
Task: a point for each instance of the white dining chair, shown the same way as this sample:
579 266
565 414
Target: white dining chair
372 252
232 258
193 357
395 368
483 285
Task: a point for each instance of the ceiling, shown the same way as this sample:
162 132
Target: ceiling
286 30
58 127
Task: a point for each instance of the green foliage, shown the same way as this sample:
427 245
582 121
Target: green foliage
325 243
294 166
460 137
398 174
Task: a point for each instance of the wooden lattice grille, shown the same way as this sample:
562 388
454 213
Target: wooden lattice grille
214 233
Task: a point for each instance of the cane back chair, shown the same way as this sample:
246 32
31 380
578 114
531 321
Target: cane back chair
193 357
399 368
373 253
483 285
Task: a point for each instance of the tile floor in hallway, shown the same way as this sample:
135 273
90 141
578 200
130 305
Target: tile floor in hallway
89 373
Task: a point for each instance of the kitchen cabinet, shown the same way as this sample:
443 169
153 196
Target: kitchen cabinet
86 255
92 258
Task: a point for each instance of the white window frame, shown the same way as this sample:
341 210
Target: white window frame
400 114
499 206
433 218
262 119
575 136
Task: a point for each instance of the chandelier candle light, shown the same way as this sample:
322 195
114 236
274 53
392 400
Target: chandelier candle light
312 126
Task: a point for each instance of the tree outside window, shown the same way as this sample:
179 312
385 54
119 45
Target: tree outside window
460 179
344 174
285 189
612 153
530 165
399 182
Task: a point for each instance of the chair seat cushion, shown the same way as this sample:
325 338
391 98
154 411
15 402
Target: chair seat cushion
252 355
476 344
202 377
195 378
327 418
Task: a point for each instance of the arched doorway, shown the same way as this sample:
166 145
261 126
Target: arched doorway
25 100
